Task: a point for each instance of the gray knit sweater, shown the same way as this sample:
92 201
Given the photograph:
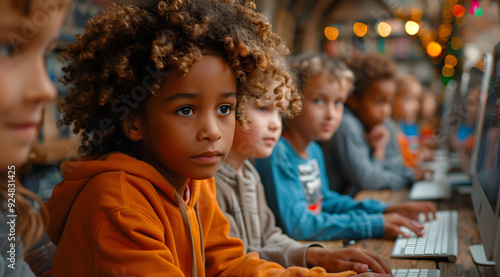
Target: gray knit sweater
243 202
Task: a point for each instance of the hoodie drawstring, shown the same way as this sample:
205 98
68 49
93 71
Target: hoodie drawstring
187 225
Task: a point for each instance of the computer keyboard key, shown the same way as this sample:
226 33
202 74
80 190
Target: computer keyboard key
440 239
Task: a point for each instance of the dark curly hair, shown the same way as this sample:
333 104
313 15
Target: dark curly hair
128 50
369 68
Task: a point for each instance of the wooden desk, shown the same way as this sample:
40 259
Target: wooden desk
467 234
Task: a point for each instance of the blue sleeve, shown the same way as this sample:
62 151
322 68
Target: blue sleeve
352 157
286 198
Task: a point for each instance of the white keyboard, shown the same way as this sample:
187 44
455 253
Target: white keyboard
430 190
440 239
403 272
439 187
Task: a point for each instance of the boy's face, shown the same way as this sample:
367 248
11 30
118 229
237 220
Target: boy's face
24 84
264 130
428 107
406 104
471 106
322 107
374 106
188 129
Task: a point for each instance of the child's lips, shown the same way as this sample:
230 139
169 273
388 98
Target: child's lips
23 129
269 141
327 127
208 157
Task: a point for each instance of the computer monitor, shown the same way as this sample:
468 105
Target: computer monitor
486 178
487 69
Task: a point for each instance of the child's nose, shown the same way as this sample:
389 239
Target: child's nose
209 129
39 88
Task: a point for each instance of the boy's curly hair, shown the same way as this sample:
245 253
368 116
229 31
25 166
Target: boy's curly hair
128 50
369 68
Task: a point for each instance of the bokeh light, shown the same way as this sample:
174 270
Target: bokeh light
450 61
456 43
360 29
411 27
434 49
458 10
445 31
478 12
448 71
416 13
384 29
331 33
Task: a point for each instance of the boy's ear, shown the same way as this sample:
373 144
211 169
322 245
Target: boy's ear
132 127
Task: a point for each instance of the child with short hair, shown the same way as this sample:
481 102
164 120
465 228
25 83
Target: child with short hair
241 196
405 115
355 155
294 176
154 86
22 101
427 119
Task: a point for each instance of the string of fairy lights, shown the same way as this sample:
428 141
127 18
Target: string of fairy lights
441 44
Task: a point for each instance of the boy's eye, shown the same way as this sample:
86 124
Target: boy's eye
185 111
226 109
318 101
339 103
262 109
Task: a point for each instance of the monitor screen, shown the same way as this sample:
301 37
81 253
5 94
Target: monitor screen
488 163
470 114
486 182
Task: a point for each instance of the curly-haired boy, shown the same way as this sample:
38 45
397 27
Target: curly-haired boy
154 86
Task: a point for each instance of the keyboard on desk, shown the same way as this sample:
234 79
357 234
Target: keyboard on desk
402 272
440 239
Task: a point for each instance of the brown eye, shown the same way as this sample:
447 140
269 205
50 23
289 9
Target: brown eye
185 111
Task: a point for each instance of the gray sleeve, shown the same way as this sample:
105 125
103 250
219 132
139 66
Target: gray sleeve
278 247
352 156
393 160
224 197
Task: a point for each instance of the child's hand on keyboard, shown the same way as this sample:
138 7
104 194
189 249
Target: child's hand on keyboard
371 274
412 209
392 222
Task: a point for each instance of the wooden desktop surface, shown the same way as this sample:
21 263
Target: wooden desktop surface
467 234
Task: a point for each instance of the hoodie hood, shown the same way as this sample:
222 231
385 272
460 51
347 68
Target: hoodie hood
76 173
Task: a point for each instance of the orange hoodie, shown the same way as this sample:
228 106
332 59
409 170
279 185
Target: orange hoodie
115 215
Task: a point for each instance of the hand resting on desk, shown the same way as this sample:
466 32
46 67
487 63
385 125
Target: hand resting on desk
355 259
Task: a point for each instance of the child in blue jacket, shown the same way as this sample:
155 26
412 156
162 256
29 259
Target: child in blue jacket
294 176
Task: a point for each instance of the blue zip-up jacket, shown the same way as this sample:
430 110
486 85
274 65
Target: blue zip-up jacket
305 208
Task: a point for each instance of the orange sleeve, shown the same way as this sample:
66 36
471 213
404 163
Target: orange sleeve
409 159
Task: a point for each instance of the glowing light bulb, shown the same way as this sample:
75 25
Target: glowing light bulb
434 49
360 29
412 27
331 33
384 29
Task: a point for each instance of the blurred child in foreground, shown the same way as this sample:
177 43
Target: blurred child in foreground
22 101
